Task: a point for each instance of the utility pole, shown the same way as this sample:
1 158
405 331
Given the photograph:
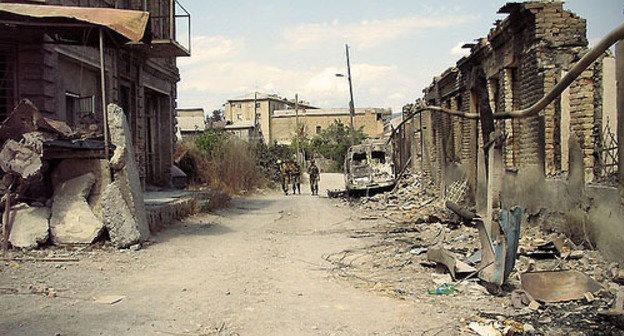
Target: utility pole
351 104
619 65
297 130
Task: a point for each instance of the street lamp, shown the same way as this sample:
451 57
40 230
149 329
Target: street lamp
351 104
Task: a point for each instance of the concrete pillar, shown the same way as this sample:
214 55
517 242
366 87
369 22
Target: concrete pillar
564 128
619 52
495 173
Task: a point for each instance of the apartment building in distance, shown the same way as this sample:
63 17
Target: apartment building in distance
190 122
256 109
313 122
276 117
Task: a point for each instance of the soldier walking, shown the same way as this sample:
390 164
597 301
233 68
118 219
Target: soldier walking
284 175
315 177
296 178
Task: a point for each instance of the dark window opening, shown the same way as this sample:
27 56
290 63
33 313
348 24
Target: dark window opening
359 158
378 116
379 157
7 81
126 99
72 102
318 129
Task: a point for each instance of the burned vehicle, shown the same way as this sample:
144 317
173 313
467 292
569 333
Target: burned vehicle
369 167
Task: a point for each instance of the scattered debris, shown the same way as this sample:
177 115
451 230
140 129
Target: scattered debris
448 259
29 227
109 299
41 259
409 221
484 330
336 193
558 286
5 290
72 220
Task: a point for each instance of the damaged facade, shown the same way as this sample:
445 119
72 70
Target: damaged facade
63 82
554 163
88 124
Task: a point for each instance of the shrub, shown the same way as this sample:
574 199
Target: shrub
334 141
222 162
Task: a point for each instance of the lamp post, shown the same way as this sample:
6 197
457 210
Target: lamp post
351 104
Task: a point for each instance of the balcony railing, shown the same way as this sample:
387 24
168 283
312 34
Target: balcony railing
170 33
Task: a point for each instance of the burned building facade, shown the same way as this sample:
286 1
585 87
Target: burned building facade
62 77
552 160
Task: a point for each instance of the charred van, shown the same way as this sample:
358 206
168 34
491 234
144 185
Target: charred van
369 167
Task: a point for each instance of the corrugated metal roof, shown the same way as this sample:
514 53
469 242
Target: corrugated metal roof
128 23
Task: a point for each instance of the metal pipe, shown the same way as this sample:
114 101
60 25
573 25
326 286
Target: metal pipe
103 86
604 44
619 61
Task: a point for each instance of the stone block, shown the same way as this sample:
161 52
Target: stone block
71 168
126 174
72 221
123 228
29 226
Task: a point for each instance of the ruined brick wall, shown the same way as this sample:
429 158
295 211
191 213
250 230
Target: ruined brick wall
523 57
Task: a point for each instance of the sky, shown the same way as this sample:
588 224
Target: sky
298 47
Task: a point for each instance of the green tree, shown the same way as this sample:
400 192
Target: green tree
210 141
334 141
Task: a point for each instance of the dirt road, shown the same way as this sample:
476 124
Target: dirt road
254 269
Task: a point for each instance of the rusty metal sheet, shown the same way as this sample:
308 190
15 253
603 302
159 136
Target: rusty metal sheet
558 286
129 23
448 259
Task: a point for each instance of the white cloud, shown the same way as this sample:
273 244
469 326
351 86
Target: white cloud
366 33
210 84
210 48
458 50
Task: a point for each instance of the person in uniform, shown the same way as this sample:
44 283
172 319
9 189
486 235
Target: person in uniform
284 175
315 177
296 178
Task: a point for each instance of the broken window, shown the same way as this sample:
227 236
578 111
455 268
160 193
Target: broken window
359 158
7 80
378 156
79 110
71 107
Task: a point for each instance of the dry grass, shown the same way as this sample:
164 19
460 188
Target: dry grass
230 166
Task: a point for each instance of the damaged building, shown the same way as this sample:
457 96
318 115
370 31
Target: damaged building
561 163
87 100
58 68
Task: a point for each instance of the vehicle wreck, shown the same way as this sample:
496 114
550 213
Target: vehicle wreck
369 167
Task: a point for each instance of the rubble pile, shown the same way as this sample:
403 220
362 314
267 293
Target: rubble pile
60 187
419 250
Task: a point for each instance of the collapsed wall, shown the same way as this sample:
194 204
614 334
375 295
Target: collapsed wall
65 188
